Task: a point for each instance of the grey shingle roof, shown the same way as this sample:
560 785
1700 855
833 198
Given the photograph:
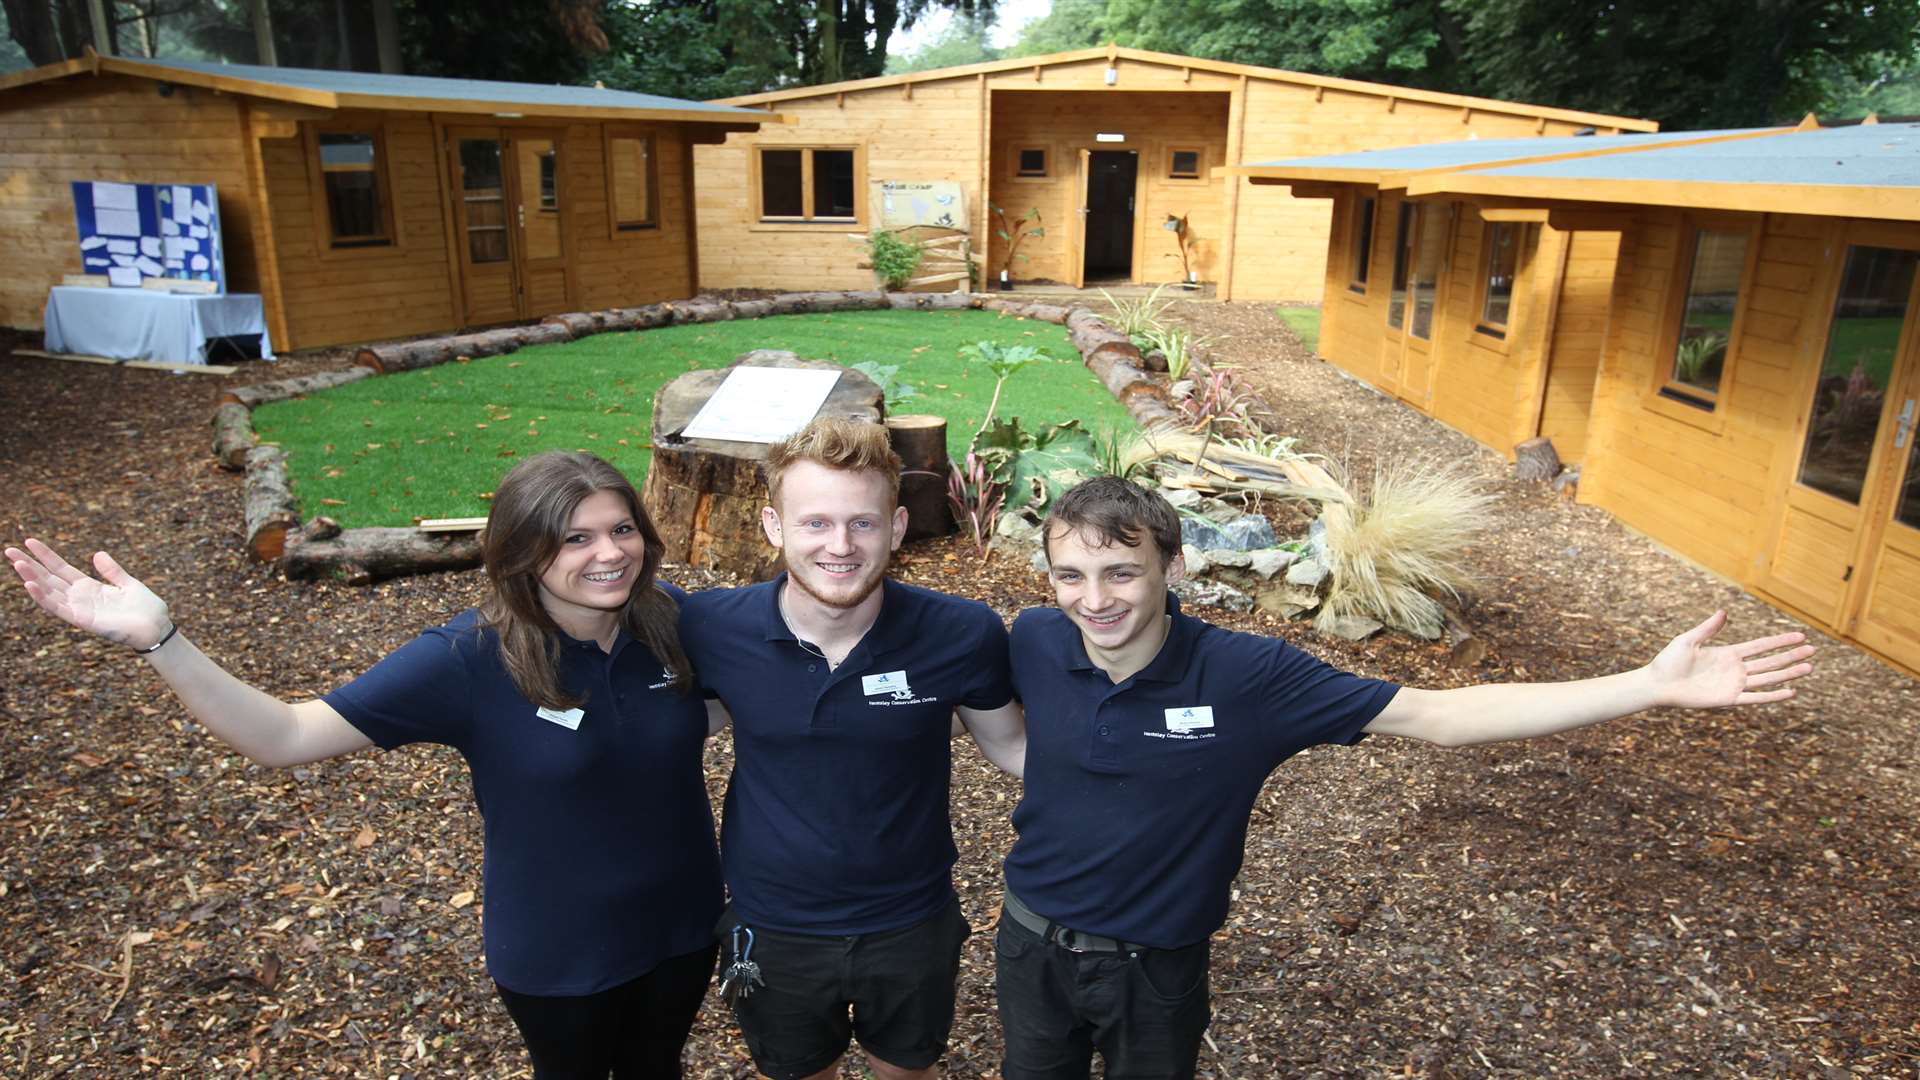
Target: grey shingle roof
1866 155
1473 152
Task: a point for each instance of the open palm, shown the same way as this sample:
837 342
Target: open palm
1696 675
116 605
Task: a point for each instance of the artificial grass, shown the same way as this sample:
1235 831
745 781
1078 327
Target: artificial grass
432 443
1305 322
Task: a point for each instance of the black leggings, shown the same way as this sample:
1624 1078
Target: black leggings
635 1031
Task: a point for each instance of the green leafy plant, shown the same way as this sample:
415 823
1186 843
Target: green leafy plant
1035 467
1695 353
1218 400
1015 230
976 499
886 377
1137 318
1178 345
1003 361
894 259
1116 454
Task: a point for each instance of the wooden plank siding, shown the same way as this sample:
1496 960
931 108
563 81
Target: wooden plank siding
1258 242
110 128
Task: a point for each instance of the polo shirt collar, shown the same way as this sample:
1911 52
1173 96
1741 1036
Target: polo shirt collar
889 631
570 643
1168 665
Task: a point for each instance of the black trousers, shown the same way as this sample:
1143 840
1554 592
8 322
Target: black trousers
634 1031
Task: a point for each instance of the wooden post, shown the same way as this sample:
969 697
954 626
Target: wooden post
921 442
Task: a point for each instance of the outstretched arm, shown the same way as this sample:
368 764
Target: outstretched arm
1001 735
1689 674
118 607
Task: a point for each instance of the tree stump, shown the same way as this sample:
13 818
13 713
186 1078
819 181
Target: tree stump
705 495
233 435
921 442
271 508
1536 459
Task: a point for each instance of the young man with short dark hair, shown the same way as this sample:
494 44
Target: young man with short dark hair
836 844
1150 736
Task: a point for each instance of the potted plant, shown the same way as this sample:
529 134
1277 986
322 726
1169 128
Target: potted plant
1013 231
1177 225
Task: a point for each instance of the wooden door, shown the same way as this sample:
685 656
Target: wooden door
1076 258
510 214
1393 340
1431 240
1846 548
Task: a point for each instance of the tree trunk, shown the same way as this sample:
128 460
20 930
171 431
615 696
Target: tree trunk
705 495
921 442
253 397
1535 459
232 435
363 556
271 509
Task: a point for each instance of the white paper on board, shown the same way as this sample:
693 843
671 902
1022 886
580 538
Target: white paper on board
176 247
200 212
763 405
182 203
123 247
176 264
199 232
148 266
121 260
116 222
199 262
92 242
111 196
150 245
124 277
169 227
97 262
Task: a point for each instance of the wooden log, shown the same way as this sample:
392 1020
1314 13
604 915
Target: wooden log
579 323
363 556
320 528
921 442
1052 313
233 435
271 509
1466 649
752 309
705 495
1536 459
939 301
251 397
701 309
405 355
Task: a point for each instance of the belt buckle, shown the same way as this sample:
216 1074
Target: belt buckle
1064 937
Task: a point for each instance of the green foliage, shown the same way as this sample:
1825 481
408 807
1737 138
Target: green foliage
976 499
964 41
1695 353
1015 230
1137 318
1304 321
1035 467
1068 25
1178 345
886 377
894 260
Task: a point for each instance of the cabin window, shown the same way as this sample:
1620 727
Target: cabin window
1031 161
1402 240
809 184
1500 262
1361 245
1183 164
352 174
1718 262
1863 342
632 182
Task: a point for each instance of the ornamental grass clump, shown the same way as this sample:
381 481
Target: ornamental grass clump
1391 552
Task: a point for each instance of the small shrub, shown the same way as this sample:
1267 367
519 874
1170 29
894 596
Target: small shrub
886 377
894 260
1002 361
1014 230
975 498
1178 345
1218 400
1136 318
1392 550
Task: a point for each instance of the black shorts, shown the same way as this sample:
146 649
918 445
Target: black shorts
894 991
1145 1010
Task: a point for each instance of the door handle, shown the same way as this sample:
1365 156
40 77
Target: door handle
1903 427
523 215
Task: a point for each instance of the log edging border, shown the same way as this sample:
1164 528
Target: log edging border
322 549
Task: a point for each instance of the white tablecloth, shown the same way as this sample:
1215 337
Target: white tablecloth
146 324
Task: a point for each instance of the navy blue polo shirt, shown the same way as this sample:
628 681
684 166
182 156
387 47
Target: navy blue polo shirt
836 814
600 855
1134 820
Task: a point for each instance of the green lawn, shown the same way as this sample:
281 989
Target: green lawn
432 443
1304 321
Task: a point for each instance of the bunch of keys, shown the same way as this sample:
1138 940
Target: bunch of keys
743 974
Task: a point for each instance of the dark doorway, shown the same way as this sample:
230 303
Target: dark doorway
1110 183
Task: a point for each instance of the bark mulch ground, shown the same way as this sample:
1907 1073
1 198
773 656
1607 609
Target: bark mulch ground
1678 894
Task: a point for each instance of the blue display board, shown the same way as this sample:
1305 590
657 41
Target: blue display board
132 232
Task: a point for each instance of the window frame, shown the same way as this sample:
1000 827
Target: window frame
615 227
1047 162
1492 334
806 222
327 241
1362 217
1664 394
1199 175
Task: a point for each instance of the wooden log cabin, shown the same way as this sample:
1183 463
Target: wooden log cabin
365 206
1738 314
1107 144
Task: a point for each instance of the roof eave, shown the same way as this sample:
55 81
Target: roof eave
1818 200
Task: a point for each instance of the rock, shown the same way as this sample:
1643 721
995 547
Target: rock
1308 571
1284 600
1181 497
1269 561
1350 627
1239 560
1212 594
1195 559
1018 529
1039 560
1244 533
1181 389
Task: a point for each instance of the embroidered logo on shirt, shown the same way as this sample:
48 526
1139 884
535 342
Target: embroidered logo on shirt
1192 722
568 718
890 688
666 679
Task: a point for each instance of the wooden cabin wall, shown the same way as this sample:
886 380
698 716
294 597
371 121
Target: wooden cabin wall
110 128
629 268
1579 329
1702 489
334 297
933 135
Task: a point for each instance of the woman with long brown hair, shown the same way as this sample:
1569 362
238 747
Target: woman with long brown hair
569 695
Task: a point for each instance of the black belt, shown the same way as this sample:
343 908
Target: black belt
1065 937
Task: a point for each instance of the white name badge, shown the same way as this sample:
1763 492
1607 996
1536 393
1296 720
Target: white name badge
569 719
893 682
1192 718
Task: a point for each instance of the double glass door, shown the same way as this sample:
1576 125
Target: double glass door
510 222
